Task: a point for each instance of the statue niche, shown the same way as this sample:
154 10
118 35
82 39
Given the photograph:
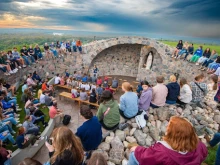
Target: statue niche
148 61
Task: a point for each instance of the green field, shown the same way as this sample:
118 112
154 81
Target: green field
212 47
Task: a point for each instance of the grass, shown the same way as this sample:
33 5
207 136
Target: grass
22 115
210 160
212 47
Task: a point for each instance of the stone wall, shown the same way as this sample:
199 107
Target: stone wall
118 60
127 50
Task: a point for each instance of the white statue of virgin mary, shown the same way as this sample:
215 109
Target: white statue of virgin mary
149 61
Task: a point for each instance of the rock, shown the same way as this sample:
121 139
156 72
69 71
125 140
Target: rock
154 133
216 126
199 117
104 153
132 131
200 110
112 134
200 129
153 123
131 139
162 114
127 153
149 124
116 143
188 107
129 122
211 125
127 131
140 136
203 122
134 125
209 131
110 163
133 120
108 139
158 124
151 118
104 146
148 141
151 110
209 120
125 144
179 110
187 112
145 130
122 120
217 118
124 162
116 155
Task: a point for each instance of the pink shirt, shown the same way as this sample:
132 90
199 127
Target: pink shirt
160 92
30 81
52 112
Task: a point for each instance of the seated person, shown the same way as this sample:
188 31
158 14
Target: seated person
67 74
114 83
4 126
6 135
139 88
92 98
69 81
99 91
74 82
74 92
55 113
51 90
173 149
36 77
48 99
185 93
26 95
89 79
173 90
44 85
9 99
108 88
42 97
90 132
7 105
87 87
128 107
146 97
105 84
37 116
24 86
24 141
9 118
84 79
108 112
93 86
5 155
62 81
10 88
83 94
99 81
57 79
160 92
198 53
30 128
30 81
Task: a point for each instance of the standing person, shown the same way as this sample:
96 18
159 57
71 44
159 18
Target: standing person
146 97
173 90
90 132
37 52
160 92
198 53
74 46
205 56
99 91
95 71
16 56
128 107
79 45
179 46
173 149
32 54
108 112
185 93
66 148
115 83
199 90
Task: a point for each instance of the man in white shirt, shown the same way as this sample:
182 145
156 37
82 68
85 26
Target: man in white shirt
87 87
57 79
42 98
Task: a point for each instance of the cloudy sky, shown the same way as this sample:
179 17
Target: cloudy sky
199 18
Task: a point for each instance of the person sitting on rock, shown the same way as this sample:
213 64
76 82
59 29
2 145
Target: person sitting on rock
160 92
173 90
115 83
90 132
128 102
212 90
185 93
145 98
173 149
199 89
108 112
57 79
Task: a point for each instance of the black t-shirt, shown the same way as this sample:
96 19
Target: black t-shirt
92 98
31 50
24 51
46 47
58 45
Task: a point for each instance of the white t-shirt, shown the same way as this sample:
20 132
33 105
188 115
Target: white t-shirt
57 80
87 87
42 98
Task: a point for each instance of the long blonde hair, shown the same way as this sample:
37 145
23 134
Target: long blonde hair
64 139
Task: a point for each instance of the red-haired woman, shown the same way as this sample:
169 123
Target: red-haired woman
180 145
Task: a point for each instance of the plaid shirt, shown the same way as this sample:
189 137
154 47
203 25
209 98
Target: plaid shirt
197 93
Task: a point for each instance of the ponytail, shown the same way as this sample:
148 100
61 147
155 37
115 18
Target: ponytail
214 78
127 86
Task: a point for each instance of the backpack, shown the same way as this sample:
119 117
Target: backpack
66 119
140 120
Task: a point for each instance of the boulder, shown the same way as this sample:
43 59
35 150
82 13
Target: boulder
110 163
124 162
116 155
162 114
132 131
140 136
131 139
104 146
104 153
217 118
125 144
134 125
154 133
116 143
108 139
145 130
120 134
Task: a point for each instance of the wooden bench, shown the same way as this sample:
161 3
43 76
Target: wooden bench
69 96
63 86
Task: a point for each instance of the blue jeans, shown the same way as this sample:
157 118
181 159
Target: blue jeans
213 142
33 130
7 162
39 55
54 52
132 160
6 127
170 102
32 59
74 48
14 101
11 119
9 137
26 60
207 62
